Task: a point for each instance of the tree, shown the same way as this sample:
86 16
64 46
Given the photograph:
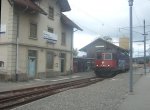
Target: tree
75 52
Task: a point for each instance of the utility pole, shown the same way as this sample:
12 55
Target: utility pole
144 48
149 58
131 68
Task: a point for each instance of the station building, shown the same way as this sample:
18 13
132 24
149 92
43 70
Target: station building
100 45
36 39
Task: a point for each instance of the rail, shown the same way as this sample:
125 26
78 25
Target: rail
13 98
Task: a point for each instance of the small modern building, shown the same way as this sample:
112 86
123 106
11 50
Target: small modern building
81 64
36 39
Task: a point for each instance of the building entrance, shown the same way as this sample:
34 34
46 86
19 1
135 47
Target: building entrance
32 62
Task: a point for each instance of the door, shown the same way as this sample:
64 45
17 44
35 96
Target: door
32 62
62 64
32 67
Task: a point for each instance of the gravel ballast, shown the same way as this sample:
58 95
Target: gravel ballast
105 95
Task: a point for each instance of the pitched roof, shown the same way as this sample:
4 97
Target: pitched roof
64 5
27 5
68 22
30 5
100 39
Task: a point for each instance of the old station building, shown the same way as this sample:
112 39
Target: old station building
36 39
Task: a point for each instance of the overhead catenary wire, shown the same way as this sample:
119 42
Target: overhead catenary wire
102 23
139 19
93 17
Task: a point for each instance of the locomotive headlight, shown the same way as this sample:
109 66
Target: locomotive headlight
108 65
96 65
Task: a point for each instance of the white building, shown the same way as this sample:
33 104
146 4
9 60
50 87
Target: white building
36 39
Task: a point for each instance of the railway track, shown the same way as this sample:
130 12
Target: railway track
13 98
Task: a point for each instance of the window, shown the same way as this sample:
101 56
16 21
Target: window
103 56
33 30
32 53
108 56
62 55
50 30
49 63
63 39
1 64
99 56
51 13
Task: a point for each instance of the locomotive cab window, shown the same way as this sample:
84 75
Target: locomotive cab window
108 56
99 56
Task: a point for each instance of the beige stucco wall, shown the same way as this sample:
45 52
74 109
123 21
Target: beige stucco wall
4 20
41 60
3 54
23 59
43 22
8 52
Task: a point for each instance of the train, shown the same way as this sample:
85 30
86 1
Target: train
109 63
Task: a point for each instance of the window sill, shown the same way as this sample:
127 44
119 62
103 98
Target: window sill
63 44
33 38
51 18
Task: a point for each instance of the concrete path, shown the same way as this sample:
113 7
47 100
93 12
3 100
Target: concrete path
140 98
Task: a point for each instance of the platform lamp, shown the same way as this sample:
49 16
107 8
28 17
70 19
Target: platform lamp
131 67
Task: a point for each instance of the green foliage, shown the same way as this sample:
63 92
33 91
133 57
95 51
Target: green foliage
75 52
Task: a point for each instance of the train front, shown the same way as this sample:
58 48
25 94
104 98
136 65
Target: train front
105 64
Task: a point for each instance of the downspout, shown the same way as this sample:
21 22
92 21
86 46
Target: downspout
17 50
17 43
16 72
71 58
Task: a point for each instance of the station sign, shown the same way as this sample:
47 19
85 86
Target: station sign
50 37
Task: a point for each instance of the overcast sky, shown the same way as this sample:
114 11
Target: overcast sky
100 18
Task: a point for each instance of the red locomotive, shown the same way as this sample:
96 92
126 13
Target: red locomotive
109 63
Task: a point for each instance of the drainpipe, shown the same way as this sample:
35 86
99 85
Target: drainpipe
17 42
17 49
71 58
16 74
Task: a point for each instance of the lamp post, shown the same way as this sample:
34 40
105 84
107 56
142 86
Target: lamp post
131 68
